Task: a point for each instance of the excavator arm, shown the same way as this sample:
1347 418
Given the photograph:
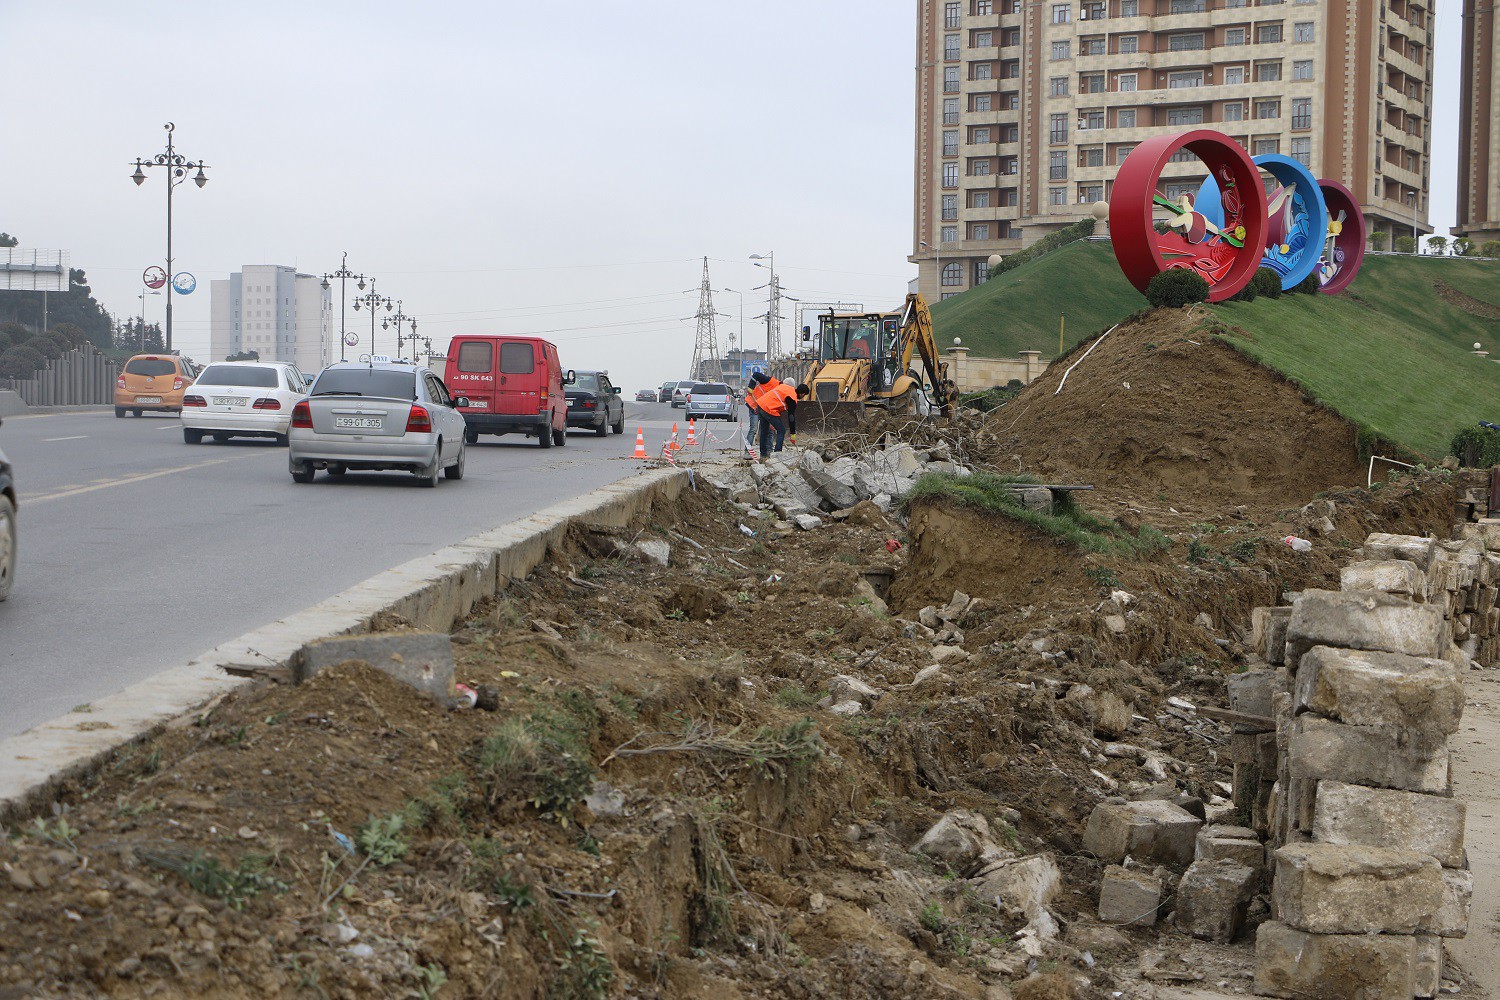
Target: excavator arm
916 337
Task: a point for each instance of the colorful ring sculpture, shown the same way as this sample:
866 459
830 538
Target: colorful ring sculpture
1225 253
1344 249
1296 220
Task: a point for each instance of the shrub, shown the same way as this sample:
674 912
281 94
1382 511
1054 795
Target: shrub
1309 285
1082 229
70 335
1405 244
1267 282
1476 447
1489 248
1175 288
21 362
1438 245
1377 242
1462 247
48 347
1246 294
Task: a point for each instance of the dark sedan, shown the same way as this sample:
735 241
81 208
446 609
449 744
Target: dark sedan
594 402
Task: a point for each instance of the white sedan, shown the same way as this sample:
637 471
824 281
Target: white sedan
242 399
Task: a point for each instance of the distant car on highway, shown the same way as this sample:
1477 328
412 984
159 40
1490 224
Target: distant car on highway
242 399
7 526
594 402
153 382
645 396
378 415
711 399
664 394
680 392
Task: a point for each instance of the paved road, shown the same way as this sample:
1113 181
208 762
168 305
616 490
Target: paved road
138 552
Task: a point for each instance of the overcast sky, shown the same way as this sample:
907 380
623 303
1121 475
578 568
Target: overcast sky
500 167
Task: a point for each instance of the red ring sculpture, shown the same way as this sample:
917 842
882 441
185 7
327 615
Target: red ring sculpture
1226 257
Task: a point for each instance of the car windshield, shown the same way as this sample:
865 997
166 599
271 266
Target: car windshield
710 389
259 377
367 382
150 366
586 382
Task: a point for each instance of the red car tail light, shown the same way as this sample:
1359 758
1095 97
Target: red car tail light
120 382
193 401
266 403
302 415
420 421
588 404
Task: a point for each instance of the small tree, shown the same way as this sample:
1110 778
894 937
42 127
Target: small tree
1462 247
20 362
1405 244
1377 242
1438 245
70 335
1489 248
1175 288
46 346
1267 282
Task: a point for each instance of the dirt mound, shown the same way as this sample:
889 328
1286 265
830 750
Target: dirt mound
1160 409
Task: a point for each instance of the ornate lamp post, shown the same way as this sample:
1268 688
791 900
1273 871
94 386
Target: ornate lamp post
397 319
343 274
177 171
372 301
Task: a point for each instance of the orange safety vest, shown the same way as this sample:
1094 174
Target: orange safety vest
787 393
771 401
758 393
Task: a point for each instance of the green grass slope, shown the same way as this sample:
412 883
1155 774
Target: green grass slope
1019 310
1393 353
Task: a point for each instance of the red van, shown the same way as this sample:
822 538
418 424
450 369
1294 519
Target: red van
514 385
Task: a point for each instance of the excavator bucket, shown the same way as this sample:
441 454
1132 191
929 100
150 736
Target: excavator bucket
816 417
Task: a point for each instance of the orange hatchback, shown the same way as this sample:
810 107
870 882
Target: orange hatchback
153 382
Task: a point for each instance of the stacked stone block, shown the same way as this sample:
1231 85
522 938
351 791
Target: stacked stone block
1341 761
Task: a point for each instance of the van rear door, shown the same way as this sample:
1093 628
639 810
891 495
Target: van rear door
471 373
520 378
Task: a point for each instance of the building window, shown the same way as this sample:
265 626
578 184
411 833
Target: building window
1010 36
981 271
1093 11
1123 150
979 71
1234 36
1058 86
1091 119
1062 50
1190 78
1059 128
983 8
1268 72
1185 116
950 207
979 199
1059 196
950 175
949 235
1093 47
951 15
950 143
1008 198
1301 112
1125 82
979 167
1129 8
1268 109
1302 69
1177 189
1129 44
1010 165
951 48
1062 13
1090 193
1058 165
950 80
1268 34
1234 75
953 275
1234 112
1302 150
1125 118
1266 147
950 111
979 231
983 39
1185 42
1091 156
1091 84
979 102
1010 102
1302 31
1186 7
1010 133
979 136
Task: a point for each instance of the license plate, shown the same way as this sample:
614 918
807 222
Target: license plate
358 423
479 404
231 400
148 399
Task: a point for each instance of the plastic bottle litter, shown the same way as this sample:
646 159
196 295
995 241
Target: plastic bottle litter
465 696
746 532
1297 544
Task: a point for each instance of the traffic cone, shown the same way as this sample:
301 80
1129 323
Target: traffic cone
640 443
672 444
692 436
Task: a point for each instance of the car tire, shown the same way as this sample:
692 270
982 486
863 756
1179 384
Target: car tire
282 440
303 475
471 436
7 545
560 438
429 477
190 436
119 413
456 470
546 434
619 425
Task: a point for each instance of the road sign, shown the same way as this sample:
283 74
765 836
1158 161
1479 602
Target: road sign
352 339
154 276
749 368
183 283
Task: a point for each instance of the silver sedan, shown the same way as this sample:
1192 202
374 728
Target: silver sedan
378 415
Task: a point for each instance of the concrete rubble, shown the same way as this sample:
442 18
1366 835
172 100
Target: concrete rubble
1130 896
1154 830
1213 898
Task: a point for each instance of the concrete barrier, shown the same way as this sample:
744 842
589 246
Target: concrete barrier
432 592
11 403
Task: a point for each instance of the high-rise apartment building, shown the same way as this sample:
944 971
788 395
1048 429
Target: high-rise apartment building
1479 139
1025 111
276 312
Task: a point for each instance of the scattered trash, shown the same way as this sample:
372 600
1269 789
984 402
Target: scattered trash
891 545
465 696
747 532
341 839
1297 544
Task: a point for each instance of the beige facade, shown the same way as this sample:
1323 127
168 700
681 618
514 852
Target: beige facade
1026 110
972 374
1479 139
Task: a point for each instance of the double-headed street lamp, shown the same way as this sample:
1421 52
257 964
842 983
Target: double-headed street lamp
372 301
177 171
398 318
343 274
773 307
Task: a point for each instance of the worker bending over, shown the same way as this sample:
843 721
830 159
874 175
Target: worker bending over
772 407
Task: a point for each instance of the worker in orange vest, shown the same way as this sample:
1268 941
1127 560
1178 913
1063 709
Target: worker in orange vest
772 406
752 410
789 397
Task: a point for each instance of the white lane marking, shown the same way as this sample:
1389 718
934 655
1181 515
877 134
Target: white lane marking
125 481
74 437
169 427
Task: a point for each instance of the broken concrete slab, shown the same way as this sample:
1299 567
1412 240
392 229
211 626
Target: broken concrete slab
1151 829
1023 887
807 522
961 838
1268 633
1336 889
1129 897
423 660
1364 620
1230 843
844 688
1429 967
1452 917
1423 696
654 550
949 654
1380 546
1296 964
1251 693
1364 755
1383 817
1213 899
1387 576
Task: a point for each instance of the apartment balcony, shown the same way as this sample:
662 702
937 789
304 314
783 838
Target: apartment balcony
1224 16
1410 105
1405 64
991 246
982 53
1108 61
1398 173
1094 174
990 86
1182 22
1192 58
1122 25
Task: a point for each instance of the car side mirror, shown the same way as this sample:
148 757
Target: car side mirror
615 389
460 401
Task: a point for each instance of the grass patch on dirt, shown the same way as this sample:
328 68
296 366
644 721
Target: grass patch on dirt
996 494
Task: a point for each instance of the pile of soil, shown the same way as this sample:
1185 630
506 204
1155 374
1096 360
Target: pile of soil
1161 413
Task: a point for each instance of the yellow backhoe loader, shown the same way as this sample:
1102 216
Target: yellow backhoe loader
865 361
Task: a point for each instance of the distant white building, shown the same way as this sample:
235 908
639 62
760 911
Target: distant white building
276 312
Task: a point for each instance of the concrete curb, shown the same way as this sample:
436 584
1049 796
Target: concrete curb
432 591
11 403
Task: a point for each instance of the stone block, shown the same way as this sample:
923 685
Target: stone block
1364 620
423 660
1422 696
1382 817
843 687
1380 546
1452 917
1022 888
1364 755
1213 899
807 522
1334 889
1387 576
1129 896
1429 968
1151 829
1293 963
1230 843
1252 693
961 838
836 489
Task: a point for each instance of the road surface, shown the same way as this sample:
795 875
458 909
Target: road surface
138 552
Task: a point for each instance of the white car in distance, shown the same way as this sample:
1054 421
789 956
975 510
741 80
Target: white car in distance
242 399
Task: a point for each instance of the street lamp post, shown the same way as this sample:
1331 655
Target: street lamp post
740 381
372 301
343 274
773 304
1416 239
177 168
145 292
399 317
939 251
